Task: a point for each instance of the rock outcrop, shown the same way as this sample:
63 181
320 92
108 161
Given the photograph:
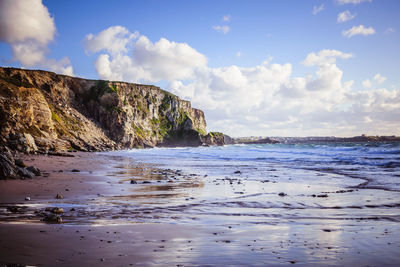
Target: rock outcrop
216 138
43 111
11 168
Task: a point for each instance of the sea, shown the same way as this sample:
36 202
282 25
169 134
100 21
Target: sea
273 183
308 204
317 203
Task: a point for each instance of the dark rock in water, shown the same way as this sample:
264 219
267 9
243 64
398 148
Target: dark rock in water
55 210
237 172
52 218
58 196
133 182
75 170
281 194
146 182
60 154
217 139
322 195
14 209
34 170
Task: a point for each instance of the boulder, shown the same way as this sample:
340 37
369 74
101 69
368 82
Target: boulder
34 170
30 143
12 169
7 167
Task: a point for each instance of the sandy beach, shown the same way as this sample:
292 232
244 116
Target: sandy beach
118 212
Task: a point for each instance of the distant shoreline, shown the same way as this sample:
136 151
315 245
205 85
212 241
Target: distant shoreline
317 139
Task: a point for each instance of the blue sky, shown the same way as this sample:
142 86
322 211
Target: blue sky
245 61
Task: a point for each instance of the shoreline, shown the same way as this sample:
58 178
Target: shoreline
160 220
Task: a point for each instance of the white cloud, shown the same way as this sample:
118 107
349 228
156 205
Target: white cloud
317 9
269 94
376 80
345 16
114 40
326 56
28 27
226 18
132 57
379 78
367 84
354 2
23 20
265 99
390 30
358 30
224 29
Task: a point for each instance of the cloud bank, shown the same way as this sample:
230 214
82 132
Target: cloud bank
28 27
266 99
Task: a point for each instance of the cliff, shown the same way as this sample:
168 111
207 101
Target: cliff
44 111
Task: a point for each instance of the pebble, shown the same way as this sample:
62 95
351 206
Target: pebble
58 196
281 194
75 170
133 182
57 210
27 198
52 218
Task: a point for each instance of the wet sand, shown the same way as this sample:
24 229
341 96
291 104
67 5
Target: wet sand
159 219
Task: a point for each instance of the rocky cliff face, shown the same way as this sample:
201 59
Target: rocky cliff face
42 110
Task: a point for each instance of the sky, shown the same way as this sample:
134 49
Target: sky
262 68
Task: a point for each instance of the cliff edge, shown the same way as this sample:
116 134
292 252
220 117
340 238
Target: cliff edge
44 111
